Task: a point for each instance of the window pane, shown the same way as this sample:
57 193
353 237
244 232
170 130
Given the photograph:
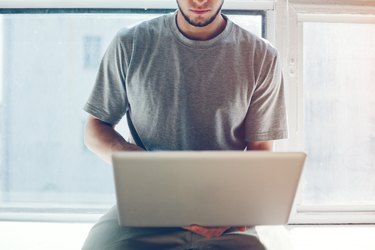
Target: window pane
49 64
339 101
251 23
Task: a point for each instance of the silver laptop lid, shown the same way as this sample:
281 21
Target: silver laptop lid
208 188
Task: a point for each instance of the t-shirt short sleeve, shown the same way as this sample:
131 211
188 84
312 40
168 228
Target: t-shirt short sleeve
266 118
108 100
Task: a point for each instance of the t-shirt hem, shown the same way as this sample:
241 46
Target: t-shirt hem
100 114
268 136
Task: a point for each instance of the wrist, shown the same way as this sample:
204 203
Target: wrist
125 146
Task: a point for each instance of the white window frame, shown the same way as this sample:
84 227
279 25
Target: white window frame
290 18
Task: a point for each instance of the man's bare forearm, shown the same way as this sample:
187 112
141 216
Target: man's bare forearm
102 139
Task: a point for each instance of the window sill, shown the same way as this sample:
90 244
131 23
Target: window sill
43 236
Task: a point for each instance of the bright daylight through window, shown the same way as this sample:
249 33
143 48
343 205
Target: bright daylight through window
338 84
50 64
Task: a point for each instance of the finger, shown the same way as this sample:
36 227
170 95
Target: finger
241 228
207 232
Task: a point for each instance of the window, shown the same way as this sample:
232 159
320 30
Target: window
49 66
339 131
92 49
50 52
330 80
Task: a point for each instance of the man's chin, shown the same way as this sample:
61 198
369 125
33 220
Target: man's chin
200 23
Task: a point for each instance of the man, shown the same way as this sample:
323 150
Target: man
192 80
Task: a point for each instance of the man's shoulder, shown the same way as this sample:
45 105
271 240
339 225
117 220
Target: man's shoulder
248 38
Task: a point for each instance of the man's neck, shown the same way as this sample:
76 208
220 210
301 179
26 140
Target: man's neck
201 33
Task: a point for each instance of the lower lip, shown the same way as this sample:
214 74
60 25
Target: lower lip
200 12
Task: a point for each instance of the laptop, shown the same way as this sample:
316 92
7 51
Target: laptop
208 188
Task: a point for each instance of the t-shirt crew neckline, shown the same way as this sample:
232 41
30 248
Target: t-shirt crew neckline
197 43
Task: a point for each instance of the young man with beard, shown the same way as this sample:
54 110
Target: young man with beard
191 80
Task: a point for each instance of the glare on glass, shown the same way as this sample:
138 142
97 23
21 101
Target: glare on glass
49 66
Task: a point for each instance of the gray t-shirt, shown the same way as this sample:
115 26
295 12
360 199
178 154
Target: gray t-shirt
184 94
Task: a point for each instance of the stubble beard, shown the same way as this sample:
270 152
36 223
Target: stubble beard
199 24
